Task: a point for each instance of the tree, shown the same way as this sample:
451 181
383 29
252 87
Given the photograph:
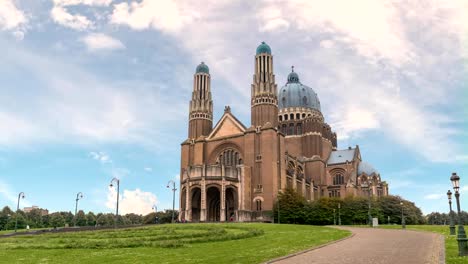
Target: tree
57 220
34 218
134 219
80 218
12 221
291 206
90 219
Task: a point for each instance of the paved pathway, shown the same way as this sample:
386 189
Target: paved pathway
377 246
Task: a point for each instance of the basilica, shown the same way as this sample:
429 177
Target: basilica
233 172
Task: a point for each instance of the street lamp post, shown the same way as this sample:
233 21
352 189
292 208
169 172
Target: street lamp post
334 216
78 197
20 196
461 238
339 214
117 181
452 225
173 196
403 223
155 208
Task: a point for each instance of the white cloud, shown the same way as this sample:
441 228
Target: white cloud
100 156
355 119
132 201
61 15
148 169
99 41
167 16
11 196
434 196
78 22
83 2
10 16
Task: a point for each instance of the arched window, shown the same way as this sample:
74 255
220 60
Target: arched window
338 179
259 205
280 118
303 115
229 157
286 117
291 116
284 128
298 116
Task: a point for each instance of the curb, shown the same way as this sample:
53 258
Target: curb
308 250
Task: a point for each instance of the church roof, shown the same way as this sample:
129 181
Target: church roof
341 156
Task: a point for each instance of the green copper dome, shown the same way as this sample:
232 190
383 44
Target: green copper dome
263 48
202 68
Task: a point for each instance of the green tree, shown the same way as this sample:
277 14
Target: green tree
34 218
291 207
80 218
56 220
90 219
134 219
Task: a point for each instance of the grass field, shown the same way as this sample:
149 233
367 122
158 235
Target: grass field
179 243
451 246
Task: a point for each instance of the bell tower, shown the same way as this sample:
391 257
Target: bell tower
264 89
201 105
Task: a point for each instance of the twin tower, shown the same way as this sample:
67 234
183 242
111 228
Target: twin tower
264 101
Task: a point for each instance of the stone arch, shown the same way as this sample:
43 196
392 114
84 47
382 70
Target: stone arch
231 206
213 203
195 197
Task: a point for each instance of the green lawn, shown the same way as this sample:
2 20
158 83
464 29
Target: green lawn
178 243
451 246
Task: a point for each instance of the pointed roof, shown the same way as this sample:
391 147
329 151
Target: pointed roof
228 125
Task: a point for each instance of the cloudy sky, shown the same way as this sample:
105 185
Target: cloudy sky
96 89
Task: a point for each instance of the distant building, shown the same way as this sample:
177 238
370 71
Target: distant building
231 172
34 207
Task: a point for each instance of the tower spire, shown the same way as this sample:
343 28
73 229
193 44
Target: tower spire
264 100
201 105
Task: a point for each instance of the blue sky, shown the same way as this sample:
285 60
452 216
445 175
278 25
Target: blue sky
96 89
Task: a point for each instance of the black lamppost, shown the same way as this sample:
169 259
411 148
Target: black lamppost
403 223
461 238
339 214
117 181
78 197
334 216
366 186
452 225
173 196
20 196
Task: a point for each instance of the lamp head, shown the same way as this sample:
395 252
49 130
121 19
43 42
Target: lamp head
449 195
455 181
167 186
111 185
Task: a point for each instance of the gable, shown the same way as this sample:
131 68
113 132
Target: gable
227 126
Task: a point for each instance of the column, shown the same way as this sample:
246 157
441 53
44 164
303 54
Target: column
203 202
188 204
223 203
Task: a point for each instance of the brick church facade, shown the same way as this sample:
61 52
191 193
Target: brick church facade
231 172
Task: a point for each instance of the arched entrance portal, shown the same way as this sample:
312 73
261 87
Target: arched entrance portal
231 204
196 204
213 203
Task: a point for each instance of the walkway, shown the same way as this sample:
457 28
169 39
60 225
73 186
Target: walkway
377 246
